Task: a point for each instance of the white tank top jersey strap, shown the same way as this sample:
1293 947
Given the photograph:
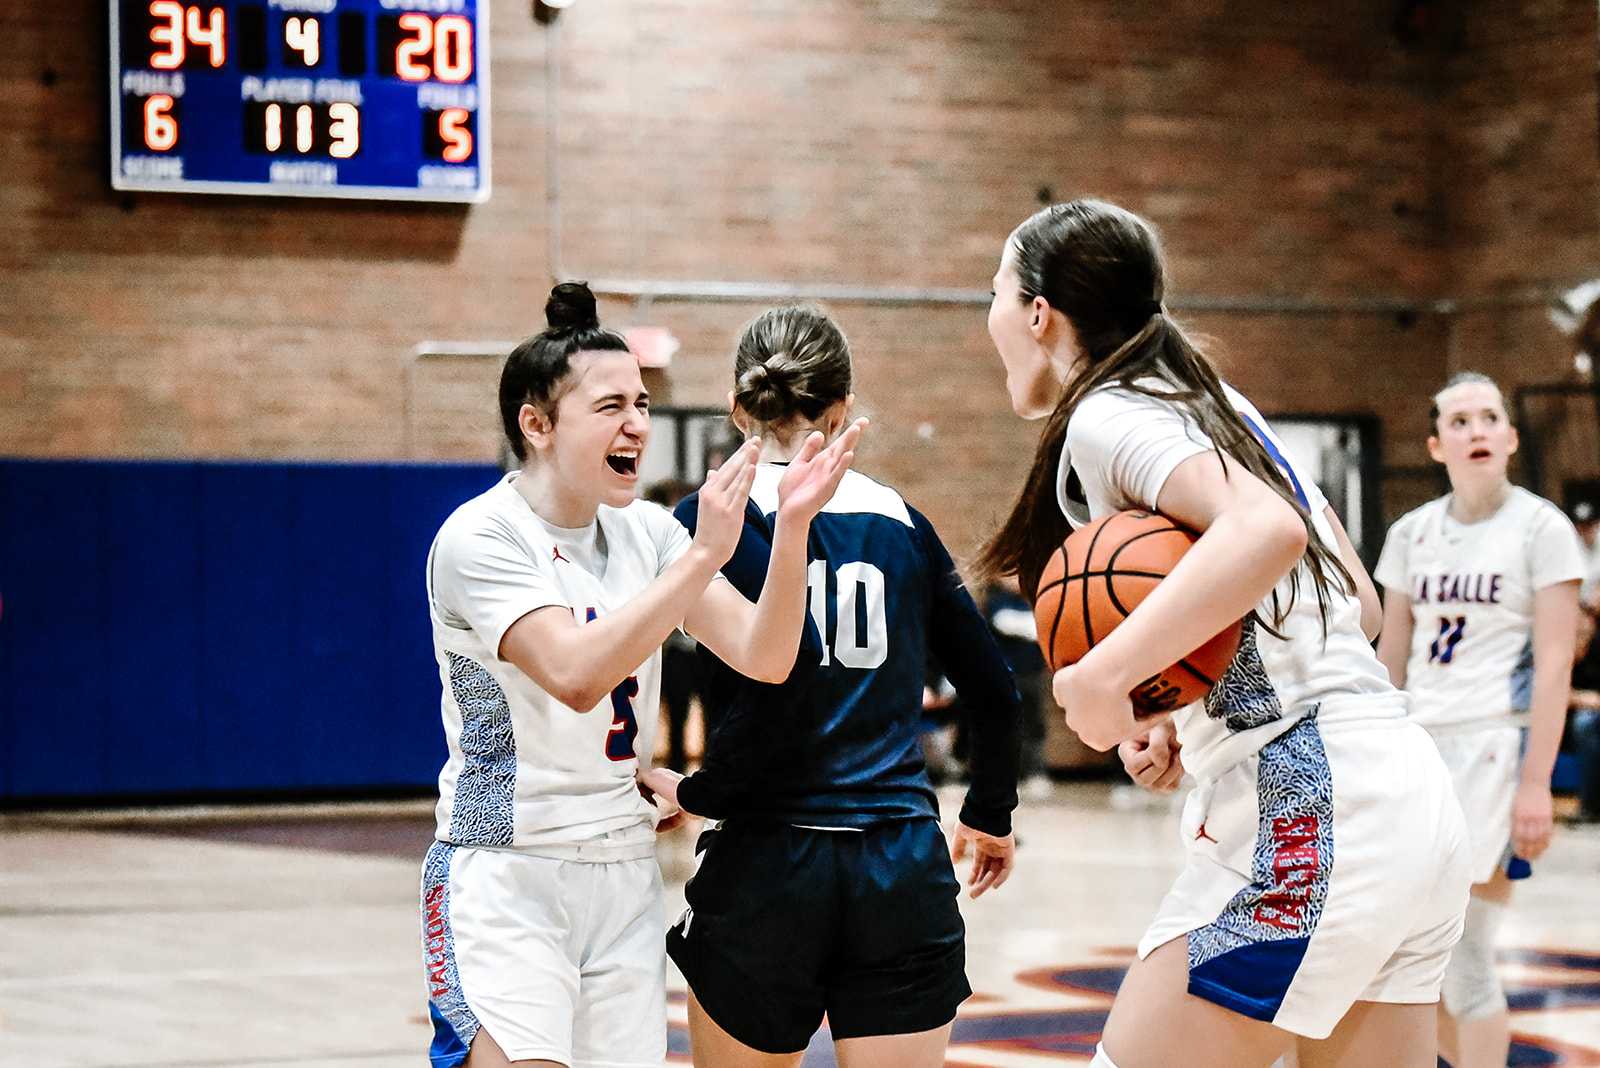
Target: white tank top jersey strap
525 771
1472 587
1123 446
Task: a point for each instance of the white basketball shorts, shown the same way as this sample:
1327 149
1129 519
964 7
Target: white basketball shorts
1485 763
559 960
1329 868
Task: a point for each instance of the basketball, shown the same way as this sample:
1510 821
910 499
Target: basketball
1097 577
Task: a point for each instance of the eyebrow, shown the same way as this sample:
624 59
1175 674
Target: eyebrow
622 398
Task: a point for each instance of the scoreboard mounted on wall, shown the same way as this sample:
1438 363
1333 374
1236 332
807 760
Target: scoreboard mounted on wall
379 99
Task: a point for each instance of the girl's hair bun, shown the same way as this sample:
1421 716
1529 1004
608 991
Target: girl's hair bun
571 307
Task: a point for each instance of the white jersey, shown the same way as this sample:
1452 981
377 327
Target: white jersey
1472 587
525 771
1123 446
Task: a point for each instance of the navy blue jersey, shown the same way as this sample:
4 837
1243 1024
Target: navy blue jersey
836 744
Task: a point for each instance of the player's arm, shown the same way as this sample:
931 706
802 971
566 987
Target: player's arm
1250 539
969 656
580 665
1394 643
753 732
761 639
1371 607
1555 627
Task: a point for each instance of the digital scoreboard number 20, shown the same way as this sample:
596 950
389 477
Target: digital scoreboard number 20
381 99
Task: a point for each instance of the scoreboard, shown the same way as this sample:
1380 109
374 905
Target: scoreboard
380 99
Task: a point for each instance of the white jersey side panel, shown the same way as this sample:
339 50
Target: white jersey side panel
1472 590
524 770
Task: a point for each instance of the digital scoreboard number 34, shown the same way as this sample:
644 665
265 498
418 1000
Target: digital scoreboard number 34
380 99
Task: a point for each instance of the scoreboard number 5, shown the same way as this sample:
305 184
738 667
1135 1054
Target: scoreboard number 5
455 134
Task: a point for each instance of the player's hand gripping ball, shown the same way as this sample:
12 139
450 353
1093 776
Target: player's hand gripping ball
1099 576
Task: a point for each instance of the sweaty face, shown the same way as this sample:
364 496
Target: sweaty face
1029 379
602 424
1473 437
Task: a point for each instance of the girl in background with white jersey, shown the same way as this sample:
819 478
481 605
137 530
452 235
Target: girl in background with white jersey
1480 614
550 596
1326 867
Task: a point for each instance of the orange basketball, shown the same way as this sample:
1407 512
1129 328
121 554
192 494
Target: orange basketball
1098 576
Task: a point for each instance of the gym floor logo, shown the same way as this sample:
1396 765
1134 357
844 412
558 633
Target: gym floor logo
1558 982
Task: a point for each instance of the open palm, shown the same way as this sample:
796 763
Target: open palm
814 474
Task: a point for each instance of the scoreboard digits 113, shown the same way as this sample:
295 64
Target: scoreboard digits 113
380 99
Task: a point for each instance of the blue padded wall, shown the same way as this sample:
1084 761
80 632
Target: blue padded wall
196 628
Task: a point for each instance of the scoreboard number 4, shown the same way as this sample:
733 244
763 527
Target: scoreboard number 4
304 35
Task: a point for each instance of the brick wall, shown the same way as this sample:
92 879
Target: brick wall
1522 183
1290 153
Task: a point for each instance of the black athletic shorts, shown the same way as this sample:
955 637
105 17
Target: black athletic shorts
787 923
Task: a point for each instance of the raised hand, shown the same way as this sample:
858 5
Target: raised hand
720 519
814 473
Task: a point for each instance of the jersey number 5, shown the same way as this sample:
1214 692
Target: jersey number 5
624 724
861 638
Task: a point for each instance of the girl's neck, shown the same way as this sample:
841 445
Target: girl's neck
1471 504
553 502
780 451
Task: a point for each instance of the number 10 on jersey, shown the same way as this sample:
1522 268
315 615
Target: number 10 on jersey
860 638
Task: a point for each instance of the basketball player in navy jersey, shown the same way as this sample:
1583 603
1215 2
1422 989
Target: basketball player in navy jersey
828 887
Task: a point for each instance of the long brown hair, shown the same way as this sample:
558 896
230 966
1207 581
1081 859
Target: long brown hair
1100 266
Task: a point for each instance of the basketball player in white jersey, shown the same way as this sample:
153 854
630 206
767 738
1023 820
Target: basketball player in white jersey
1326 863
550 596
1480 613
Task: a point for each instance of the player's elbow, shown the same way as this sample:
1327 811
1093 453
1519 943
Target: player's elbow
771 667
1283 534
576 693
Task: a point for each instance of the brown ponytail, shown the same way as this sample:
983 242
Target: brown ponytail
1100 266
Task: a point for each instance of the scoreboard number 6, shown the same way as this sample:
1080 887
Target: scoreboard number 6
160 128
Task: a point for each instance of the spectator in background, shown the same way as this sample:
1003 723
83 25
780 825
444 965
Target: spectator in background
1583 722
940 730
1586 518
719 449
1011 619
679 676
